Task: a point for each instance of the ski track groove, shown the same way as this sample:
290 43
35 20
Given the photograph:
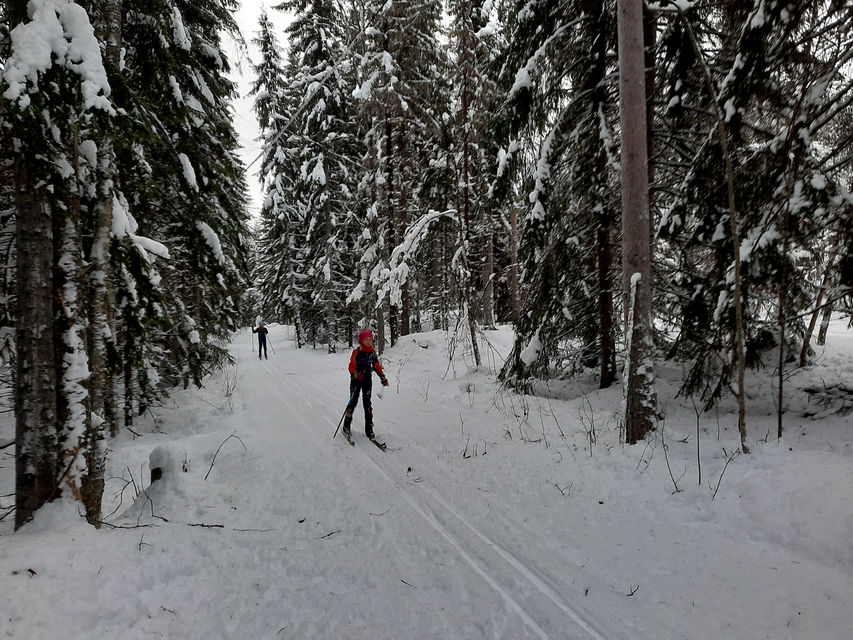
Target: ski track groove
428 513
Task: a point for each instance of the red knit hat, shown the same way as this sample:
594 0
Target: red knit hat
367 333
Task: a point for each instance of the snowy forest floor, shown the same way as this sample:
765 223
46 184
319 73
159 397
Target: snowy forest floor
492 515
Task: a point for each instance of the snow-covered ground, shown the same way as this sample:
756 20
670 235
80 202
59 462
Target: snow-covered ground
492 515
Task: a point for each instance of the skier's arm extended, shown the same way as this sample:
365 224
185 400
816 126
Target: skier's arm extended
254 330
378 368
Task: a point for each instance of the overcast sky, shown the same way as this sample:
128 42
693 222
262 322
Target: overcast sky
241 60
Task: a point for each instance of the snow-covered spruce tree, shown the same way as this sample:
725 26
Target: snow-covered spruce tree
471 156
192 195
320 141
275 266
560 93
776 74
57 93
401 106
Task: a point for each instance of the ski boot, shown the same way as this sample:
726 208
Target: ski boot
368 431
346 428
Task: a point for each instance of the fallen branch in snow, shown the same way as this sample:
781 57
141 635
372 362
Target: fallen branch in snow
212 462
147 500
407 583
207 526
120 494
260 530
632 590
110 525
7 444
563 491
329 535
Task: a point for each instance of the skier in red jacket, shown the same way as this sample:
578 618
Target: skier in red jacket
362 364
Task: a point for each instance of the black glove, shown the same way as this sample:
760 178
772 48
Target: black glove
384 381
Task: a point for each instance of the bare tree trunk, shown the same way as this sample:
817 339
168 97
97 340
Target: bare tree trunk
37 438
824 323
380 330
515 289
783 284
128 378
636 250
400 229
607 344
102 401
466 283
390 160
821 294
489 278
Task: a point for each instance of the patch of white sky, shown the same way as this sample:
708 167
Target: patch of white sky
242 54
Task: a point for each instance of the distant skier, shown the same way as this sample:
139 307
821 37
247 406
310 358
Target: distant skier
362 364
262 332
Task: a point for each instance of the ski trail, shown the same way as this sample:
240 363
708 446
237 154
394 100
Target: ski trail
426 511
546 589
427 514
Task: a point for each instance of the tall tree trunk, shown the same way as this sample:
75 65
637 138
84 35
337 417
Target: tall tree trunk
390 162
488 277
400 227
782 320
37 436
102 400
514 285
636 250
380 330
128 378
606 330
467 279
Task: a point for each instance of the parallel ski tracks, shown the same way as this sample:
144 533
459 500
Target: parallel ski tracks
428 507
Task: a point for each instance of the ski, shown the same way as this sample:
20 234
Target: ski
382 446
348 437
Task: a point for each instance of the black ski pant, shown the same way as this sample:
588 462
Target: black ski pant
366 388
262 344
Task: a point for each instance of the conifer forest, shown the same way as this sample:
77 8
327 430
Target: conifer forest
624 187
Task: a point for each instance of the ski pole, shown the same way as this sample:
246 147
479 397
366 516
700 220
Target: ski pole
341 421
269 342
252 340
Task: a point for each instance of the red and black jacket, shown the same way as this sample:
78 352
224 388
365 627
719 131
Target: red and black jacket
363 363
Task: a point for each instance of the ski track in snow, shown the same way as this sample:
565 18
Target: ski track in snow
426 509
